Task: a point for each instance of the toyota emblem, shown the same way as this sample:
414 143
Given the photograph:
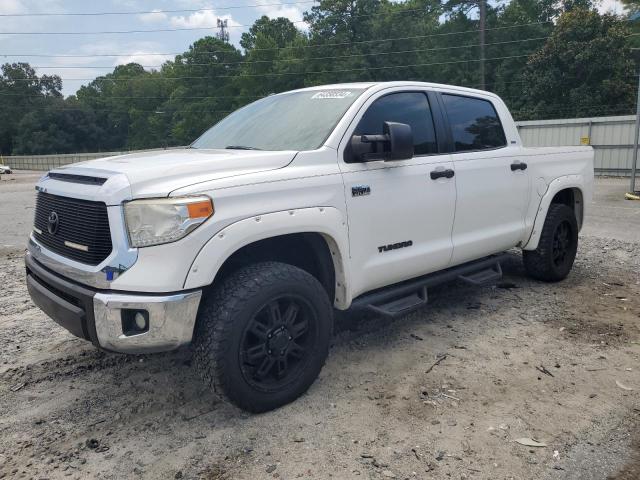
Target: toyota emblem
52 224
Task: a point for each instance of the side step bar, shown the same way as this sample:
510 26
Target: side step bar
488 276
407 296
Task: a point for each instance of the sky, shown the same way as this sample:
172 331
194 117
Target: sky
148 49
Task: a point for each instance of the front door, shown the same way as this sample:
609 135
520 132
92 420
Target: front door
400 218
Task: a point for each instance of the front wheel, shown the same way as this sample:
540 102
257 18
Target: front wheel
553 259
263 335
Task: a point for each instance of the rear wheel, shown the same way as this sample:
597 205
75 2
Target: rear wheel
553 259
263 335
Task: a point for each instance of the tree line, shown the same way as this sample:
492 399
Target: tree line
546 58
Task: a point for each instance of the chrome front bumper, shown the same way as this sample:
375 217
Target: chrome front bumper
172 319
97 315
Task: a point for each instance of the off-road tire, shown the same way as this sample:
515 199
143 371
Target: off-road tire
226 313
540 263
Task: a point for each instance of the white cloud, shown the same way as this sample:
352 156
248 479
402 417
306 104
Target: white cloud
611 6
8 7
156 16
138 52
143 58
142 52
192 4
292 12
208 19
201 19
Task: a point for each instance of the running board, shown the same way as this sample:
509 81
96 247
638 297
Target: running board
405 297
488 276
403 304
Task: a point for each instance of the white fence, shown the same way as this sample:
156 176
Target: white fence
47 162
610 137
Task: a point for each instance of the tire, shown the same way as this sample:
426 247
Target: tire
263 335
553 259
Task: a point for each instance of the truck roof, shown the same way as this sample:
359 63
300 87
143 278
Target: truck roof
381 85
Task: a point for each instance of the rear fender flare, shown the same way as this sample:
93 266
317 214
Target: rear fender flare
560 183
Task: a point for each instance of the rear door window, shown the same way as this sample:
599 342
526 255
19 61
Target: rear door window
475 124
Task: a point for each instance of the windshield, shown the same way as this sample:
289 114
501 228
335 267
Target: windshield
290 121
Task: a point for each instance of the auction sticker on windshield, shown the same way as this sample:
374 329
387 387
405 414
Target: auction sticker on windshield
326 94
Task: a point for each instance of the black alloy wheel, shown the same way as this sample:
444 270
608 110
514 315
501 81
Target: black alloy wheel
276 342
561 243
553 259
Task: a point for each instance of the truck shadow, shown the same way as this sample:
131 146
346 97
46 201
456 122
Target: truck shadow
446 296
114 398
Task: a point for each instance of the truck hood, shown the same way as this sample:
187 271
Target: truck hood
158 173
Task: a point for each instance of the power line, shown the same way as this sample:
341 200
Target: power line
141 97
289 47
126 112
204 97
267 61
244 62
510 82
146 12
555 108
164 30
563 109
276 74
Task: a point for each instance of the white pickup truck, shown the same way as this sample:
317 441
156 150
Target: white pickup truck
360 195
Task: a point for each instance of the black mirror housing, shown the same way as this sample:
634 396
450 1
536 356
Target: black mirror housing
396 143
400 139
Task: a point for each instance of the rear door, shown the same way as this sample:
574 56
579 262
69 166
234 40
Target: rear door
400 218
492 184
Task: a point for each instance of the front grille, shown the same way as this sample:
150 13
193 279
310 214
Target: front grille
80 222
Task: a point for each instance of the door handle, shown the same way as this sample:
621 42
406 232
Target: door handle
436 174
518 166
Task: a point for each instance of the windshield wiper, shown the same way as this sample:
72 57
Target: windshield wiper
240 147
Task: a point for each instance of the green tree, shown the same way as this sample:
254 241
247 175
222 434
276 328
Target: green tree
125 103
281 30
61 126
274 56
584 69
371 40
204 88
516 31
632 5
21 92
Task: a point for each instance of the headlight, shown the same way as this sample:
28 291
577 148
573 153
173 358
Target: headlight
164 220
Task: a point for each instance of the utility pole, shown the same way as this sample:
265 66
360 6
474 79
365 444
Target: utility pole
635 17
635 142
223 34
483 25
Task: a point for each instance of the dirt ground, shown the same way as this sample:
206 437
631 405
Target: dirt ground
442 393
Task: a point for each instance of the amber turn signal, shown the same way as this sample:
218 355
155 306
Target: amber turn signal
203 209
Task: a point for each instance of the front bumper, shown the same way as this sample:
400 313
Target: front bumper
96 315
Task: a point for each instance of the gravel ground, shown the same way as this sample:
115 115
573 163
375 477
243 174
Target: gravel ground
442 393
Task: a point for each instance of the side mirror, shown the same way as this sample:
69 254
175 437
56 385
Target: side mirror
401 140
396 143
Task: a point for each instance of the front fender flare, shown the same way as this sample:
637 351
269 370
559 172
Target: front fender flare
327 221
